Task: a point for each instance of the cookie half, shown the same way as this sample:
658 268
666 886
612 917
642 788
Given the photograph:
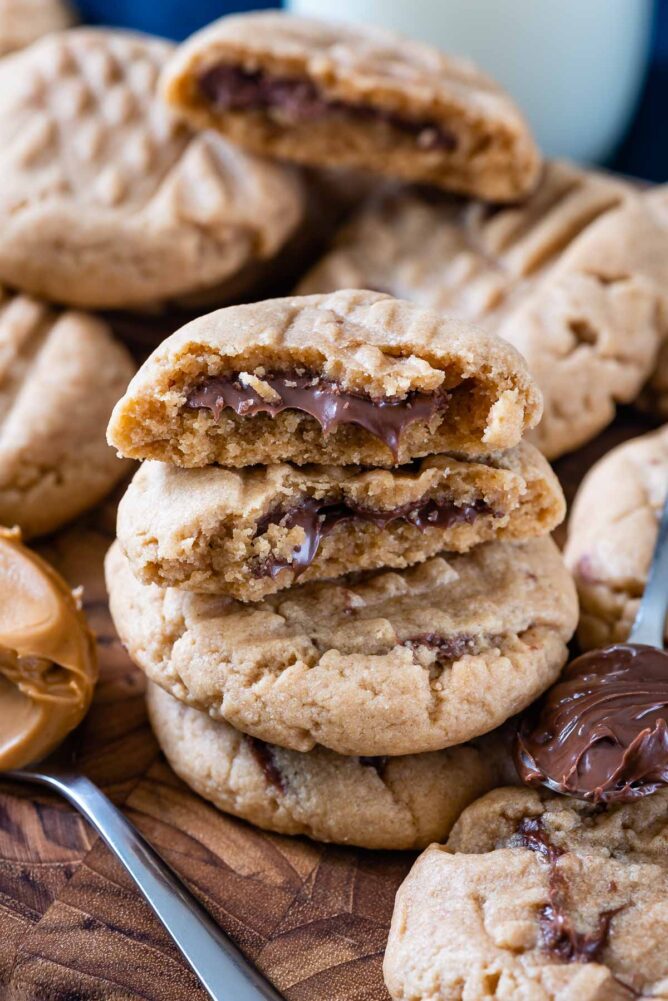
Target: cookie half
612 532
328 95
574 277
106 202
252 532
380 663
537 896
60 375
350 378
393 803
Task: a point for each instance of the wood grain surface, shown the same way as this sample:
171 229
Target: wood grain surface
72 928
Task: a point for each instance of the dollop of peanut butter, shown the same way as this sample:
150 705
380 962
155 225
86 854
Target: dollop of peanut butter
48 664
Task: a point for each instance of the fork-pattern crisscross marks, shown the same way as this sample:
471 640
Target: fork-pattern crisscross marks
106 200
24 21
60 374
391 662
572 278
376 100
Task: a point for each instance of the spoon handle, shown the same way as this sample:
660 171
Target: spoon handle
223 970
650 622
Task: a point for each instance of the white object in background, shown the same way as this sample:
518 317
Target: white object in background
575 67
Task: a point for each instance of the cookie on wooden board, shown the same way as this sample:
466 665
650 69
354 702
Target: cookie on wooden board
537 896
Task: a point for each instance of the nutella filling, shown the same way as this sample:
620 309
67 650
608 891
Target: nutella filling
558 935
318 519
326 402
297 100
601 733
264 755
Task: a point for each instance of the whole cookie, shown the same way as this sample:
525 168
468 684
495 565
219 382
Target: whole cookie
24 21
251 532
352 378
537 897
393 803
379 663
106 201
572 277
328 95
611 535
60 375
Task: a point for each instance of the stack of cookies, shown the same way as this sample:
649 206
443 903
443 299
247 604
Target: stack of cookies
334 563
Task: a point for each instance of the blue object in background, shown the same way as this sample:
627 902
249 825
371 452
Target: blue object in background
170 18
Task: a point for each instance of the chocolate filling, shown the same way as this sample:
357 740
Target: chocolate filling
601 733
378 763
447 647
330 405
298 100
558 936
264 755
318 519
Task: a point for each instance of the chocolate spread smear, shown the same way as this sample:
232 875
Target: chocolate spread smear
558 935
601 733
330 405
318 519
298 100
264 755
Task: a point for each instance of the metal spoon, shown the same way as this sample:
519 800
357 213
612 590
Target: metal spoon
601 732
225 973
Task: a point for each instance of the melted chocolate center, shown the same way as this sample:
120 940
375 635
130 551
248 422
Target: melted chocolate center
601 732
318 519
326 402
233 88
558 935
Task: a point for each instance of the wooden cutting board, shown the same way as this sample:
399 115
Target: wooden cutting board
314 918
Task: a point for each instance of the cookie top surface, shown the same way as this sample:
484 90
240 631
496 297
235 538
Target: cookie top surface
60 374
546 896
384 663
612 533
98 179
573 277
392 803
353 66
48 665
24 21
363 342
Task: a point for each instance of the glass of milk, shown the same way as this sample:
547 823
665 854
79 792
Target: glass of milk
575 67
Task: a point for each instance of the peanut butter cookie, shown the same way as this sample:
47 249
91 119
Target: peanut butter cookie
391 662
255 531
105 200
349 378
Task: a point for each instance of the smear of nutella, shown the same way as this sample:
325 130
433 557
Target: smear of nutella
330 405
318 519
559 937
601 733
298 100
264 755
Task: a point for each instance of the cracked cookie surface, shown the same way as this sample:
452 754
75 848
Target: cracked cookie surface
350 378
540 897
106 201
574 278
392 803
612 533
328 95
251 532
378 663
60 375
